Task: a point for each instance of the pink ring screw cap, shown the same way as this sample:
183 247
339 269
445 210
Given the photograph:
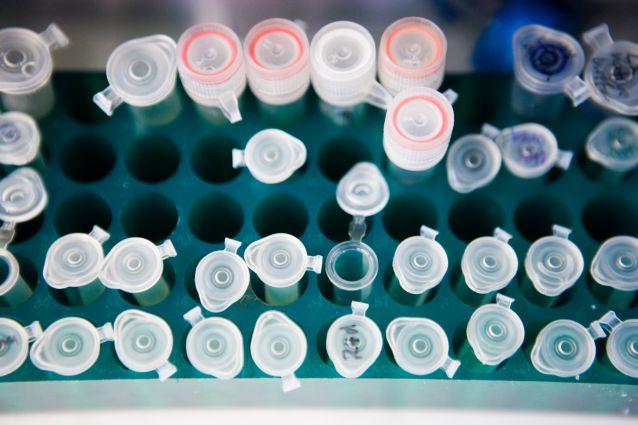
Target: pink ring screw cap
418 126
210 63
412 54
277 61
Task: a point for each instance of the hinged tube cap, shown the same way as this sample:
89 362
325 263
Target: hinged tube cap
19 138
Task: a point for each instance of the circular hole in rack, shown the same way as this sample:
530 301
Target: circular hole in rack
151 216
280 213
78 98
87 158
80 212
214 217
152 159
610 215
535 216
405 214
212 159
334 222
473 216
28 229
339 155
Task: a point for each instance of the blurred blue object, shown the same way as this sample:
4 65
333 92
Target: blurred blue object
493 50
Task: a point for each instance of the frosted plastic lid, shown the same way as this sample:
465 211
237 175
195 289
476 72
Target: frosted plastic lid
495 332
276 49
141 72
143 342
14 343
554 263
420 346
278 347
411 50
69 346
614 144
209 52
354 342
280 260
363 191
616 263
545 60
473 161
271 155
565 348
610 73
12 273
529 150
19 138
134 264
214 346
221 277
22 196
622 347
25 58
75 259
489 263
420 262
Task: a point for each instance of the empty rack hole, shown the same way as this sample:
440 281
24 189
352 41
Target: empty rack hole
152 159
535 216
610 215
87 158
151 216
472 216
214 217
334 222
280 213
339 155
212 159
80 212
405 214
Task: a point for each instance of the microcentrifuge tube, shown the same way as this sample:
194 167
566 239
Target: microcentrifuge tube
529 150
69 346
14 289
135 266
554 263
420 346
14 343
418 126
22 196
495 332
567 349
277 61
140 72
342 66
271 156
19 138
280 261
363 191
546 61
211 67
420 262
622 346
222 277
278 347
614 144
26 66
412 54
489 263
73 263
214 345
354 342
144 342
610 74
473 161
616 263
